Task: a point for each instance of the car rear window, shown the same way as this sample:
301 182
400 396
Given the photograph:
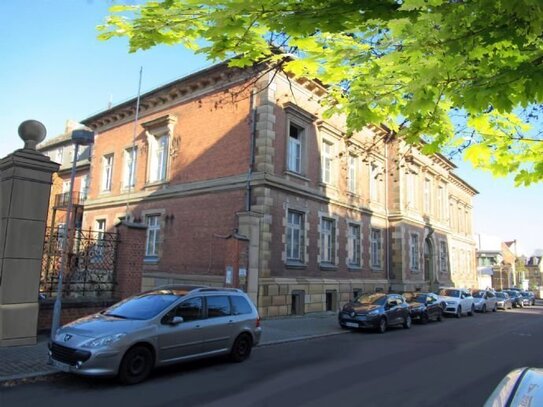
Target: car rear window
218 306
240 305
449 293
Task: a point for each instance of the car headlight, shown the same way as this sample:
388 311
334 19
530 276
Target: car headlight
373 313
103 341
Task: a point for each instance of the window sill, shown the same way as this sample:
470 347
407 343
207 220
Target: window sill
354 268
155 184
295 266
151 260
327 267
297 175
376 269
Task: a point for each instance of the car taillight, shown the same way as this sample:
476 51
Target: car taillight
258 322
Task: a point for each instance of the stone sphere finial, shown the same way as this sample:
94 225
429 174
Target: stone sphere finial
32 132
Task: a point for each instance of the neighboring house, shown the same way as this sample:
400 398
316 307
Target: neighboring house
491 270
61 150
534 273
241 181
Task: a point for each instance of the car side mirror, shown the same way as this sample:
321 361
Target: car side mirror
176 320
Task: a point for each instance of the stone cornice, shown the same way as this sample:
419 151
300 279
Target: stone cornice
215 78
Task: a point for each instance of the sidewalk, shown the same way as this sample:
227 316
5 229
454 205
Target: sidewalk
23 362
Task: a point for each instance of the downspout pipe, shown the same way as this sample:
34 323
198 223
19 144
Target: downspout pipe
248 194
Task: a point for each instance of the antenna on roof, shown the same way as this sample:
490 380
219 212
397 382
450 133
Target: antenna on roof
131 178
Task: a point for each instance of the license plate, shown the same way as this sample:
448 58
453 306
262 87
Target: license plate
351 324
60 366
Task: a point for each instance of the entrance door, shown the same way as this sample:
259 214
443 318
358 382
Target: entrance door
428 262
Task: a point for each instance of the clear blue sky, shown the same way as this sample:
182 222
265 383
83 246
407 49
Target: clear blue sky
53 69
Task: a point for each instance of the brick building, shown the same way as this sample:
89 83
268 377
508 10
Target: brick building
60 149
241 181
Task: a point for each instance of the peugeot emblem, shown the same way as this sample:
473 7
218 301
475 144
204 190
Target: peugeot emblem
67 337
352 314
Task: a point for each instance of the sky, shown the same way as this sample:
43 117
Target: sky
54 69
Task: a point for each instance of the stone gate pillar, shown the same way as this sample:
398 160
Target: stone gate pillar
25 185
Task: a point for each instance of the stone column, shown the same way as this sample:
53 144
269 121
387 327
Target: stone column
25 185
130 254
249 225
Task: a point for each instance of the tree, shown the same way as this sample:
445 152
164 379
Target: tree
445 75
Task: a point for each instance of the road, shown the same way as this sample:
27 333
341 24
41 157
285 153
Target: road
453 363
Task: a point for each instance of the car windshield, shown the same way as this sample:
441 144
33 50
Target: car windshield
420 298
525 294
449 293
144 306
500 295
478 294
372 299
512 293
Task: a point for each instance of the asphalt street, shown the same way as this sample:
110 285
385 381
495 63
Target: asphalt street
453 363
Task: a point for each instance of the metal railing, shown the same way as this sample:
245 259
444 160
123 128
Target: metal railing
90 265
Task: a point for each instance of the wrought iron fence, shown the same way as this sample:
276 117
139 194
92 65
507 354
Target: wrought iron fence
90 264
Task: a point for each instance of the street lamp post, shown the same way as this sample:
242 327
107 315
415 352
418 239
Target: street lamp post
80 137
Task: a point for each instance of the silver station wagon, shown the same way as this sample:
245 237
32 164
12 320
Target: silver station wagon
155 328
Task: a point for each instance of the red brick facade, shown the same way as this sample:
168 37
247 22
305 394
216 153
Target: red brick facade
214 190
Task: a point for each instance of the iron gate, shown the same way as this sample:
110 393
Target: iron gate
90 264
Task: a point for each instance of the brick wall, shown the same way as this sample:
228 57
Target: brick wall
71 310
130 254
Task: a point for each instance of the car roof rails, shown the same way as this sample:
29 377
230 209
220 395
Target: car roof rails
211 289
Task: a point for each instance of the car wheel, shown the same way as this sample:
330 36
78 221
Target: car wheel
484 309
241 349
440 315
472 312
136 365
459 312
382 327
407 322
424 318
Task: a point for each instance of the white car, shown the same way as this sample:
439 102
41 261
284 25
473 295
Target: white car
485 300
458 301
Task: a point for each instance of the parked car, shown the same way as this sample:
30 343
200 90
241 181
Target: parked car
458 301
529 297
158 327
503 300
424 306
484 300
517 299
377 311
519 388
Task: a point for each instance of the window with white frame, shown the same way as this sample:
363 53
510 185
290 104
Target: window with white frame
328 240
353 245
97 251
295 148
427 195
375 175
158 168
107 172
85 187
326 162
375 248
414 262
352 174
153 236
295 237
412 190
65 186
129 167
441 202
443 256
59 156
